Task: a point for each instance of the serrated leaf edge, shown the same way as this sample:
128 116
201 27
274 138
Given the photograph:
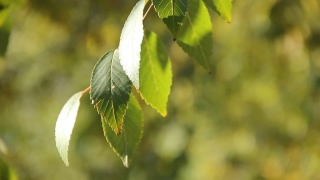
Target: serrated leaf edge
125 158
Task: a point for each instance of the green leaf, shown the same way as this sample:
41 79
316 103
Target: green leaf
222 7
125 143
110 89
155 73
4 30
172 12
166 8
195 36
174 24
130 43
65 124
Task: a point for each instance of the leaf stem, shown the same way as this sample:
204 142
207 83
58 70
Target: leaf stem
145 15
86 90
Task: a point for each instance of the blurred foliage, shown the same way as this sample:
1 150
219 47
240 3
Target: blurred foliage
6 171
257 116
4 27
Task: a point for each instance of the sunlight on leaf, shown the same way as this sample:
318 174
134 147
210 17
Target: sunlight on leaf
195 36
130 43
222 7
156 75
110 89
125 143
65 124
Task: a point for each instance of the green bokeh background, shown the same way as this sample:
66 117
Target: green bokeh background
257 116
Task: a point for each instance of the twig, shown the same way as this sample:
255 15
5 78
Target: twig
145 15
86 90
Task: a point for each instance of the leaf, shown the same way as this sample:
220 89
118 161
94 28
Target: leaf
172 12
195 36
174 24
110 89
166 8
4 30
155 73
65 124
125 143
130 43
222 7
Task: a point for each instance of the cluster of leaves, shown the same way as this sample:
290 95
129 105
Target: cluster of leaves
141 60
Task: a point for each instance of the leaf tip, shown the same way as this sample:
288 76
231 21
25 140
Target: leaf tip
125 161
163 113
66 162
229 19
118 132
136 84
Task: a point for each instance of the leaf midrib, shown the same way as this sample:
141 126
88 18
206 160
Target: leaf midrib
149 62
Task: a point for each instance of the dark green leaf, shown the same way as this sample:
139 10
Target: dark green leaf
166 8
155 73
195 36
174 24
110 89
172 12
125 143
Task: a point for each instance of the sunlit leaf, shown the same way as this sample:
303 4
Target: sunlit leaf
222 7
172 12
65 124
195 36
110 89
130 43
125 143
155 73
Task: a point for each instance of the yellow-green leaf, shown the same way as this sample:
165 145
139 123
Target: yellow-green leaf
155 73
195 36
222 7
